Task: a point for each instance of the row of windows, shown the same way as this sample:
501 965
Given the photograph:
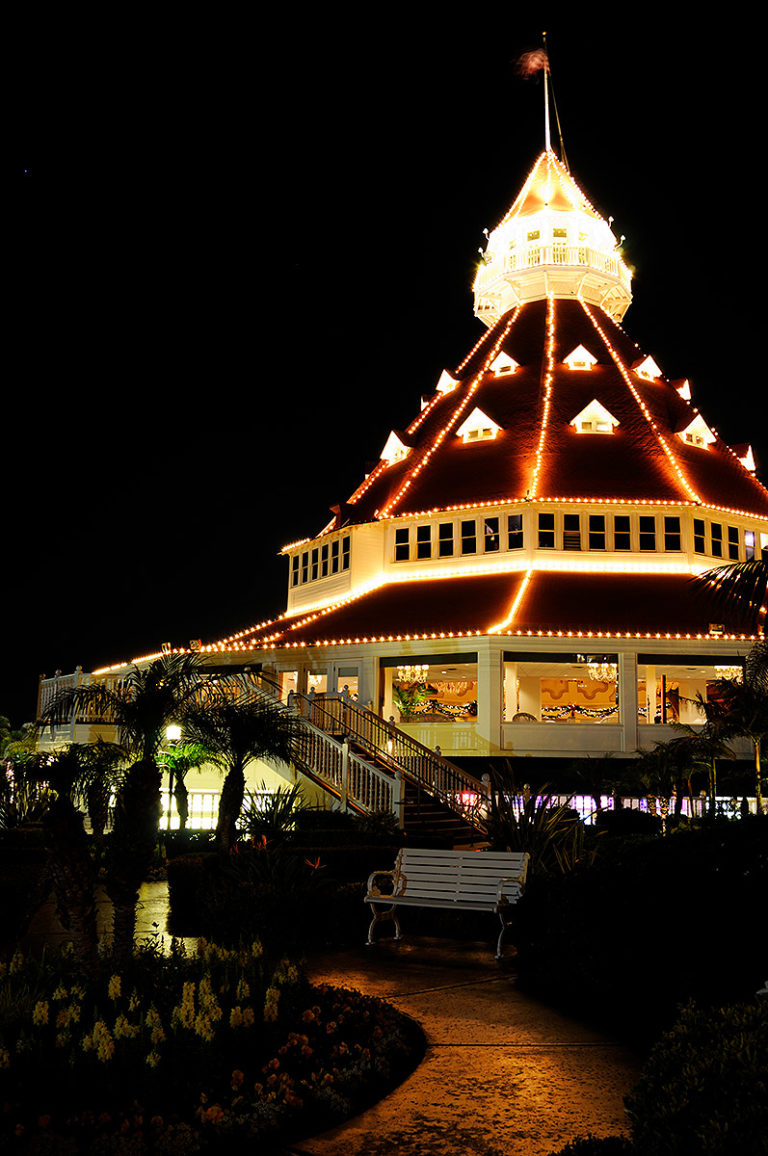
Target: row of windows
465 537
719 546
320 561
569 532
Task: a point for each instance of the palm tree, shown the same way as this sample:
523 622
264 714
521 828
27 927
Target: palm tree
235 730
72 869
180 760
702 748
741 708
141 707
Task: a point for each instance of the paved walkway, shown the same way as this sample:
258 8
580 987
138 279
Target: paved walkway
503 1074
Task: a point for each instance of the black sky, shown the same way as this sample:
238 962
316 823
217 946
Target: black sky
246 251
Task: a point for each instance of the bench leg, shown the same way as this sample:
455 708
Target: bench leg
378 917
504 927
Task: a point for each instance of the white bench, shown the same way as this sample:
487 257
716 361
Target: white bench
453 880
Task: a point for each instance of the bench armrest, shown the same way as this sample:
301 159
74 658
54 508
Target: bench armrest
372 888
508 879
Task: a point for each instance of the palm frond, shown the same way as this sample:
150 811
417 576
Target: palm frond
737 593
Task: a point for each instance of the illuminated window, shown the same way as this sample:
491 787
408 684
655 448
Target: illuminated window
477 427
423 541
716 539
594 418
647 368
672 532
560 233
515 531
395 449
749 545
503 364
597 531
468 538
697 433
402 544
534 235
580 358
547 531
699 543
491 534
445 539
621 532
733 543
572 532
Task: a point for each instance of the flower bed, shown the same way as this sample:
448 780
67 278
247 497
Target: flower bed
187 1054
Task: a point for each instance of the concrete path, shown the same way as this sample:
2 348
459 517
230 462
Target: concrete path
503 1074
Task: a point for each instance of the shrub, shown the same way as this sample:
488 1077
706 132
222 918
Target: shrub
596 1146
650 925
704 1090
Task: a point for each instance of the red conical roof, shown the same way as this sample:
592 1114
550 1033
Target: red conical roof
537 452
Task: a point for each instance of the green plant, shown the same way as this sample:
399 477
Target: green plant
23 798
704 1089
551 833
272 814
408 699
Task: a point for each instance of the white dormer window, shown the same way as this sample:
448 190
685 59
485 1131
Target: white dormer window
503 364
394 450
684 389
594 418
697 433
647 369
580 358
746 457
445 383
478 427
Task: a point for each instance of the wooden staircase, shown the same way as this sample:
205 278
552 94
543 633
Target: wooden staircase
370 765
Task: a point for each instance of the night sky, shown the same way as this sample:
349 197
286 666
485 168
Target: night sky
245 254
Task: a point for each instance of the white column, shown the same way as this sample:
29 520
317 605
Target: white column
367 688
627 692
510 691
488 726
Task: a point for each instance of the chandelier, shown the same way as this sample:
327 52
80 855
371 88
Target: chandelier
412 673
602 671
732 673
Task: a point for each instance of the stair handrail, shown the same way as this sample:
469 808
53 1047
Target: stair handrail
458 790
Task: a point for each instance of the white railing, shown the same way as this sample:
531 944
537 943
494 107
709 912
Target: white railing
354 781
580 255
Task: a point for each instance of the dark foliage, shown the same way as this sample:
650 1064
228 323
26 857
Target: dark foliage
704 1090
649 926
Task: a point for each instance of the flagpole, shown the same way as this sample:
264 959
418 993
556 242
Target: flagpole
547 141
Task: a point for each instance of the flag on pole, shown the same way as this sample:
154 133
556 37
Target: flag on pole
532 62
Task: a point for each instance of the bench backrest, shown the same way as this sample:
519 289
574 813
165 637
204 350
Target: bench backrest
469 876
